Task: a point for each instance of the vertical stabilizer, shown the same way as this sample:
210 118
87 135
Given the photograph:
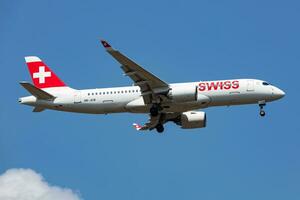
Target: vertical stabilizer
42 76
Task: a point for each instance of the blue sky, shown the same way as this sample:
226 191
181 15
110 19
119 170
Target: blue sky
238 156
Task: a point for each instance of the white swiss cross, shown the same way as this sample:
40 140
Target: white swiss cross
41 75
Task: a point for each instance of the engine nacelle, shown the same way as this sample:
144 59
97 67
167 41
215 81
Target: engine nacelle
193 119
183 93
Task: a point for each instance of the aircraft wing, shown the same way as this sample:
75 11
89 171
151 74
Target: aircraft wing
151 124
162 118
151 86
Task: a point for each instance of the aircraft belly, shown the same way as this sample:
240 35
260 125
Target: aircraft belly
92 108
102 108
234 98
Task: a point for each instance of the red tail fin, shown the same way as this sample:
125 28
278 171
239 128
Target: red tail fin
42 76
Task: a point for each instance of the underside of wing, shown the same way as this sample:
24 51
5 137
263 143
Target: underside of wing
186 120
151 124
161 119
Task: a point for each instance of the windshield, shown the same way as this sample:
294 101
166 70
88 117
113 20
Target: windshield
265 83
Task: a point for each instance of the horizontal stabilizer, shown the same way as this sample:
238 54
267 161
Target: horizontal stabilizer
38 93
38 109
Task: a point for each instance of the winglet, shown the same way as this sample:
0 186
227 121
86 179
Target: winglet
106 45
137 127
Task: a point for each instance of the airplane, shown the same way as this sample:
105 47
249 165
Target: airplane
180 103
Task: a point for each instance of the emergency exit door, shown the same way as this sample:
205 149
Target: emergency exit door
250 85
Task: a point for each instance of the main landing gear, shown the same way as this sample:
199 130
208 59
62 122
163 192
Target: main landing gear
261 108
160 128
154 110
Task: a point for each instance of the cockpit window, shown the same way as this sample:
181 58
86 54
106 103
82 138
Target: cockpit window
265 83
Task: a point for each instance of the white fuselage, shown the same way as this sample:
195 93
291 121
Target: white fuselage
129 99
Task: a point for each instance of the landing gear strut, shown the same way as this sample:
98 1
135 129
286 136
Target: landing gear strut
154 110
261 108
160 128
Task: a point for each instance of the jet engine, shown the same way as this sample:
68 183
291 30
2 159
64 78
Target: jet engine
183 93
193 119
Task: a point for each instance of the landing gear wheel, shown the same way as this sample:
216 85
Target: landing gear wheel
261 106
160 128
154 110
262 113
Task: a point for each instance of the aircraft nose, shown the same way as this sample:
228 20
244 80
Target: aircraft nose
278 93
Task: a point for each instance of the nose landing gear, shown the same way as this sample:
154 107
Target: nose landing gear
262 113
261 106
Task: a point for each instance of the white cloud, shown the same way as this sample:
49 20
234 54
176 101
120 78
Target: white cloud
26 184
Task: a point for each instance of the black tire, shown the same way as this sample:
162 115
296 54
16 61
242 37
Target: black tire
160 128
262 113
154 111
